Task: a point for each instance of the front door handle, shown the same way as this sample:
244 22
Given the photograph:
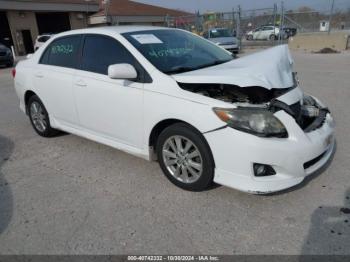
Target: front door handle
80 83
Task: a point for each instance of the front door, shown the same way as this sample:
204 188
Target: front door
111 108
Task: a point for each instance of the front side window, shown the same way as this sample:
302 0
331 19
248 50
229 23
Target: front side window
62 52
100 52
174 51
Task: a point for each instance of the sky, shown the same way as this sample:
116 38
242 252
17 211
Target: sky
227 5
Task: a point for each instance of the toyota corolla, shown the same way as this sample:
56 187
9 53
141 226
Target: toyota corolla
169 95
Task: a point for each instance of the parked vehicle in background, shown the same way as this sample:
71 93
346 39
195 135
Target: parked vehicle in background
269 32
289 32
224 38
40 40
6 56
169 95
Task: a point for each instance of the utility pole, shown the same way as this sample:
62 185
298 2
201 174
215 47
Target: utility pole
274 21
106 5
234 22
330 17
87 11
281 23
238 25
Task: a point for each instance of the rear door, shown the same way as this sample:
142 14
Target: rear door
53 78
257 34
111 108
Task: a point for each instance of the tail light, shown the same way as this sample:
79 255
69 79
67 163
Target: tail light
13 72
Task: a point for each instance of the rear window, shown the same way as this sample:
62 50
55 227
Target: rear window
62 52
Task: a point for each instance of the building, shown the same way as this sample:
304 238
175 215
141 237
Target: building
21 21
126 12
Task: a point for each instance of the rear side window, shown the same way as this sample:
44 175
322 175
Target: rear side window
101 51
62 52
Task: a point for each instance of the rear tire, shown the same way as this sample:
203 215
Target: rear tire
185 157
272 37
39 118
250 38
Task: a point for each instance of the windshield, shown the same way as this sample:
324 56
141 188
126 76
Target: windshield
174 51
216 33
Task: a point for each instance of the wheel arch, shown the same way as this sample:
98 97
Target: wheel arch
160 126
27 95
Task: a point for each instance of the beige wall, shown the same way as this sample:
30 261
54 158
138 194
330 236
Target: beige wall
77 20
21 20
26 20
318 41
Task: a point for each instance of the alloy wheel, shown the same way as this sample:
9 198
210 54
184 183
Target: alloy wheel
182 159
38 116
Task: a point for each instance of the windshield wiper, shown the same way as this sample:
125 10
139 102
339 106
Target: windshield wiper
182 69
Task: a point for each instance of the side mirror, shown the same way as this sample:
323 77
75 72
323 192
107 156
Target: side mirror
29 56
122 71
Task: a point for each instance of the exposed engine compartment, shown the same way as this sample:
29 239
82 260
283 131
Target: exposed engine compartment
235 94
307 114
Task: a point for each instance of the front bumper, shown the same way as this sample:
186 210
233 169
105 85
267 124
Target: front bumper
292 158
232 48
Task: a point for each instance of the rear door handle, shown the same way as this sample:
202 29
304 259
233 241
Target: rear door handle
80 83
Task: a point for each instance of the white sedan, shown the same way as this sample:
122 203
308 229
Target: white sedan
264 33
168 95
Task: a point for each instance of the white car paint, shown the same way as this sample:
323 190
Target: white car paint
124 112
248 71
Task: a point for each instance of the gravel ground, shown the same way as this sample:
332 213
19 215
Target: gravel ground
68 195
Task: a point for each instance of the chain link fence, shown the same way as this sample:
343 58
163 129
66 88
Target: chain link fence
265 26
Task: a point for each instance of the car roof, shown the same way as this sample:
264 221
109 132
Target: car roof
112 30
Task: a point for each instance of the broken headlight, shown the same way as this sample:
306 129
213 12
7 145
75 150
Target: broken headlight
310 108
260 122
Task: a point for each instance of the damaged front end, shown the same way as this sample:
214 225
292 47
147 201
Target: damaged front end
258 86
248 96
255 107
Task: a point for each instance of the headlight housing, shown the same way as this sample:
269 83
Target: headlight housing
260 122
309 100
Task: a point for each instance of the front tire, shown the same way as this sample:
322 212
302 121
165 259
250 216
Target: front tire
185 157
39 118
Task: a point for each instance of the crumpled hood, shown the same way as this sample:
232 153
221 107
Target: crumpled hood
271 68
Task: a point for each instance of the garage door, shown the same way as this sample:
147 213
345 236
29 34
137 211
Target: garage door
52 22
